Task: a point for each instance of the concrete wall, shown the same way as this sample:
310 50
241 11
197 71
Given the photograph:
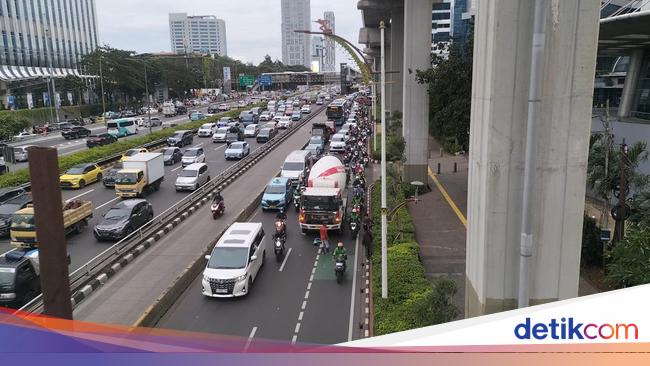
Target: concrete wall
502 57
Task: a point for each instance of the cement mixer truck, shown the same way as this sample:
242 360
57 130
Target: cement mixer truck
325 197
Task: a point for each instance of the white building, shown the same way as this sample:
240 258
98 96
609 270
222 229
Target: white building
66 30
329 62
296 49
201 34
441 26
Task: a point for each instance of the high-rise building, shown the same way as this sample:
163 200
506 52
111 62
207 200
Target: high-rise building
329 61
296 48
201 34
317 52
441 30
37 35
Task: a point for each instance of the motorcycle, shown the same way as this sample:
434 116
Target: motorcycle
339 268
297 193
280 227
217 209
278 246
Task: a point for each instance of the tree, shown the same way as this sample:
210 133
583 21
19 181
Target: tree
629 261
11 125
449 83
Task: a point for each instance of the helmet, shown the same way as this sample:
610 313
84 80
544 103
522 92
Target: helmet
340 245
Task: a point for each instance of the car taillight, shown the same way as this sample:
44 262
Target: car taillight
301 218
337 219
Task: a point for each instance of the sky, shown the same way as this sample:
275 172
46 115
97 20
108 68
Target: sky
252 26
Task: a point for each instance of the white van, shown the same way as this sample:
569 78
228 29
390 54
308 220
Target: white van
235 261
296 164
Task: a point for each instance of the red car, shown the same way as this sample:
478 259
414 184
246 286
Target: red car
99 140
288 112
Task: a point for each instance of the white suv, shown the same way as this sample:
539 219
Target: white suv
235 261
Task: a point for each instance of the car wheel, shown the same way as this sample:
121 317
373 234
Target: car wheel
250 284
82 183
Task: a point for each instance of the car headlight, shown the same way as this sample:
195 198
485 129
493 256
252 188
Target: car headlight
8 296
206 278
240 278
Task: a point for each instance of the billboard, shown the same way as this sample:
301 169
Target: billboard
226 74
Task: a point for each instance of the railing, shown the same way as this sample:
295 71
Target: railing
103 261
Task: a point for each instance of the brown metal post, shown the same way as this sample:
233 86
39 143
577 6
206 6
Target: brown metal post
52 254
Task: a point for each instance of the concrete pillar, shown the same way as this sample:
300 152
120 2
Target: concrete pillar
631 80
502 58
415 100
397 59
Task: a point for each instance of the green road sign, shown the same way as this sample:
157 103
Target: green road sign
246 80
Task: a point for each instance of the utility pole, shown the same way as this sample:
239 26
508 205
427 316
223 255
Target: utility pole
101 81
384 204
53 261
621 211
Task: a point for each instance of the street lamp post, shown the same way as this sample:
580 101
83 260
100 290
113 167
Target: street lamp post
146 92
384 204
101 82
49 45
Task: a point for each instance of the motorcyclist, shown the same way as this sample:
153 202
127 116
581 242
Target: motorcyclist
281 223
217 198
340 251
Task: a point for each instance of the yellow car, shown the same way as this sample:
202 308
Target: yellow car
132 152
81 174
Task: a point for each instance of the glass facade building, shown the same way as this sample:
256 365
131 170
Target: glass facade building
37 32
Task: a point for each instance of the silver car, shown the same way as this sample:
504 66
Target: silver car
20 153
192 177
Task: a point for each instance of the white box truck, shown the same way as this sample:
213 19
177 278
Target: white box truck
141 174
324 200
169 109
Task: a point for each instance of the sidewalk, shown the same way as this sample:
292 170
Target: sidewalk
439 228
440 222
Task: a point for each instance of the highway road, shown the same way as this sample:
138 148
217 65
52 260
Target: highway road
83 247
297 299
66 147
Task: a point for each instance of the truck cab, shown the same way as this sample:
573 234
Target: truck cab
129 182
19 281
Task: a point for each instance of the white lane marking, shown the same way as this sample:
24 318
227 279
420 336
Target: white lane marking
198 145
178 167
250 339
297 330
309 286
304 305
294 339
104 204
307 295
285 260
8 251
220 147
79 195
354 286
302 313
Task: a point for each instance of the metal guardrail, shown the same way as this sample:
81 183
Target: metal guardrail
103 261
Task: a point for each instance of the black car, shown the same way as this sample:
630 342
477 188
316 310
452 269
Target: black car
12 199
181 138
19 282
172 155
213 109
234 134
108 179
75 132
181 110
265 135
100 140
123 218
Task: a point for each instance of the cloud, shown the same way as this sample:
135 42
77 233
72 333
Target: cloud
252 26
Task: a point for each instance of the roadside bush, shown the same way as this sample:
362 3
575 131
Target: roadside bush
629 261
413 302
592 247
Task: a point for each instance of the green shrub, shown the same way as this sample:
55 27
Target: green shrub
629 261
412 301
